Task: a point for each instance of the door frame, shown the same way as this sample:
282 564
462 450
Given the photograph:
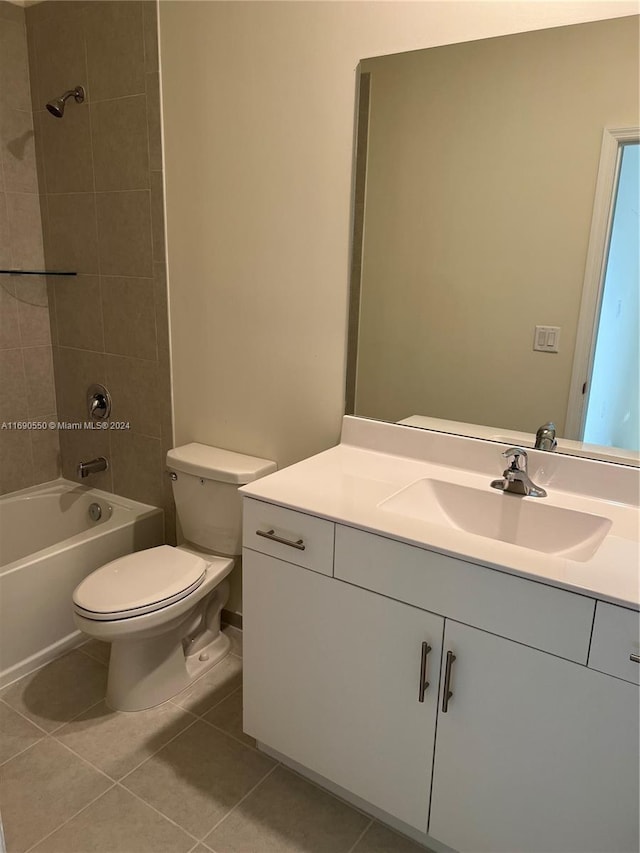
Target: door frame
613 140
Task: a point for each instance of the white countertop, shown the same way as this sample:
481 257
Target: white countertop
374 460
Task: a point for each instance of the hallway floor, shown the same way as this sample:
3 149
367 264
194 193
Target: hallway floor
76 777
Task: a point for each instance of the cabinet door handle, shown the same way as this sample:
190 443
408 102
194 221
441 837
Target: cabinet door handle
447 682
271 534
634 658
426 648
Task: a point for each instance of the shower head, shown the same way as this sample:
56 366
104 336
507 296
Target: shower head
56 106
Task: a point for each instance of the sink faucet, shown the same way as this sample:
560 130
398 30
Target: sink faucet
546 437
515 480
93 466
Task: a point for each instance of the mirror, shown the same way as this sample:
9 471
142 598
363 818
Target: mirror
476 173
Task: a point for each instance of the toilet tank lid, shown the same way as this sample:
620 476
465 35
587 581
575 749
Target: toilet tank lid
213 463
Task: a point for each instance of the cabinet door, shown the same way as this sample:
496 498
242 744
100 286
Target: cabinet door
534 754
331 680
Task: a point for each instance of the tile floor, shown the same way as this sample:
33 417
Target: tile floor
76 777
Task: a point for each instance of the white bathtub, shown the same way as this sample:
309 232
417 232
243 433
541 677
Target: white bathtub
48 544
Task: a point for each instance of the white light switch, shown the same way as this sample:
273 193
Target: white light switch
546 339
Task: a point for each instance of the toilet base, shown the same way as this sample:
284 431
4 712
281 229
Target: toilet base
147 672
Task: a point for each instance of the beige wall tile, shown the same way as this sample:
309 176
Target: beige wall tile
38 369
71 234
5 237
79 312
134 387
33 310
138 467
154 121
150 24
58 40
124 233
13 386
14 66
11 12
66 144
9 327
16 467
81 446
115 49
129 316
75 370
120 144
157 217
18 151
25 230
45 451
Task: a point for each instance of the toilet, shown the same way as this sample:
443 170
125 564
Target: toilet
160 608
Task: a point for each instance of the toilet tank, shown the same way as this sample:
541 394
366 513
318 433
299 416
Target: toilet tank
205 488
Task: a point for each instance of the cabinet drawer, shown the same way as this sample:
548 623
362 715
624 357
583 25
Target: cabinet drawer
537 615
301 539
616 637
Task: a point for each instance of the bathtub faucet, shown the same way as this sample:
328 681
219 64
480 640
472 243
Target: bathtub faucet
92 467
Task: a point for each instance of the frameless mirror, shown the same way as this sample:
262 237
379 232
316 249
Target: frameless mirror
495 248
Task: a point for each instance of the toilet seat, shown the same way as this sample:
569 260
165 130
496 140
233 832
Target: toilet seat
139 583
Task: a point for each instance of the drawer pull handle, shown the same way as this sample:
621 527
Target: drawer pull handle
634 658
271 534
426 648
447 682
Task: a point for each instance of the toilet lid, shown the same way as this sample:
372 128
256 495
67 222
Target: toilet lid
139 583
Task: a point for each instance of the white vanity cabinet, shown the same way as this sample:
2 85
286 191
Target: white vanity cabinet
535 752
332 679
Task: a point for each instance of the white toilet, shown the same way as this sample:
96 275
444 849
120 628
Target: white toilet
160 608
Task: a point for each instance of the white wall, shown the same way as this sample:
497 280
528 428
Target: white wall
258 101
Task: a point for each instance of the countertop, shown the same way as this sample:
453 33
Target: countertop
348 483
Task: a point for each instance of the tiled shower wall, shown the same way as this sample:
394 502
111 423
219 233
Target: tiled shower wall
100 172
27 390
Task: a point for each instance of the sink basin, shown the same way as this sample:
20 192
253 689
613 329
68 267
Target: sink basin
528 522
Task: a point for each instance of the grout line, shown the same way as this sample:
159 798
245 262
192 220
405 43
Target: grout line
22 751
85 761
361 836
157 811
153 754
24 716
69 819
239 803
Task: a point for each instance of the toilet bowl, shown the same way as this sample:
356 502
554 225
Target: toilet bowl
160 608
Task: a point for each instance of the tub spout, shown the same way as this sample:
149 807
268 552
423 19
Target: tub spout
93 466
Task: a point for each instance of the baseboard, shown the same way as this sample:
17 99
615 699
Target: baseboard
227 617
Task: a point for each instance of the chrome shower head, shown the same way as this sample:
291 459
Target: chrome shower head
56 106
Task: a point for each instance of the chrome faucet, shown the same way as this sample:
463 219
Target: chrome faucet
92 467
516 480
546 437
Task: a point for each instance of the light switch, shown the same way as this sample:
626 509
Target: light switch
546 339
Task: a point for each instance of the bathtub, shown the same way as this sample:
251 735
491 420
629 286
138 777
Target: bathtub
51 537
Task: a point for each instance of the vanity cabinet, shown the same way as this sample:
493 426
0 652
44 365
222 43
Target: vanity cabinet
332 680
532 752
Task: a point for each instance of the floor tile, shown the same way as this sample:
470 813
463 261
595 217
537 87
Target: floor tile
379 839
235 635
117 823
41 788
98 650
116 742
217 684
287 814
198 777
227 715
59 691
16 733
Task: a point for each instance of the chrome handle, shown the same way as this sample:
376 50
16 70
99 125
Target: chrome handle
447 682
426 648
634 658
270 534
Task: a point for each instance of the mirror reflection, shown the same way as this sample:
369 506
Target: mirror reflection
485 293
